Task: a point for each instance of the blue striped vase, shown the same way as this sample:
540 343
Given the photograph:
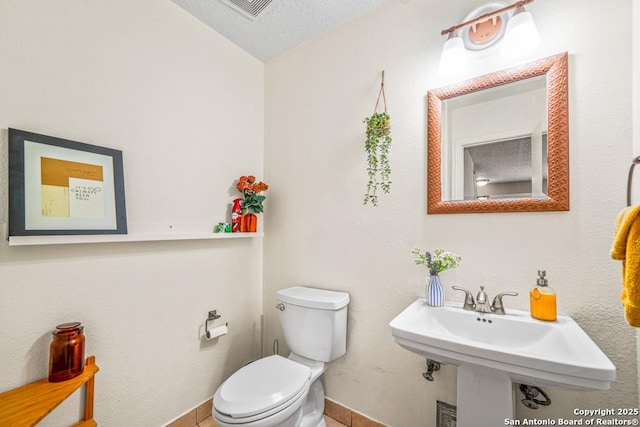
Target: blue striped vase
434 292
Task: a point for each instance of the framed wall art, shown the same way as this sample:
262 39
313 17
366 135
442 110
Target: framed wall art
61 187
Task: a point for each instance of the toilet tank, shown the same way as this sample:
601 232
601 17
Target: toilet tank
314 322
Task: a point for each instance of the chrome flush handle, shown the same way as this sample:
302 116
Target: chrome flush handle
280 306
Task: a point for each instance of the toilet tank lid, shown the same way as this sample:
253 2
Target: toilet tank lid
313 298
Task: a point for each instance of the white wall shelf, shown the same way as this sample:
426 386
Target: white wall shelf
121 238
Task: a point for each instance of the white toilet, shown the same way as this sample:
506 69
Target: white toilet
275 391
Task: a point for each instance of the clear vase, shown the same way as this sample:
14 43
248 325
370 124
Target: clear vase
434 292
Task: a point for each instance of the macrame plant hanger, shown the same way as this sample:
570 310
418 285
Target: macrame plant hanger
377 148
381 94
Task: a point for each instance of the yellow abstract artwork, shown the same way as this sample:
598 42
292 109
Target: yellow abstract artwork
55 201
71 189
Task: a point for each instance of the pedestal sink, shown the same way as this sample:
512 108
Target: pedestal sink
493 351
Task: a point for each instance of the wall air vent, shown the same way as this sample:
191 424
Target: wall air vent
249 8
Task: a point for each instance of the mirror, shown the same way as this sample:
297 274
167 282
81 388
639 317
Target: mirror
500 142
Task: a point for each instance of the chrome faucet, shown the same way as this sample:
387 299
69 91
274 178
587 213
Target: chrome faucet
481 304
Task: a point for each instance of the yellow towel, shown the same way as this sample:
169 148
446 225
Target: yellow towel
626 247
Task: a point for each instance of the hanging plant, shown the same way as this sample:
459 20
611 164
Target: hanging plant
377 148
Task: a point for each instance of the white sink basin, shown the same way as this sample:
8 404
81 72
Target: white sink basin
529 351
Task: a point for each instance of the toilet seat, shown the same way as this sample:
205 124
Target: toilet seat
261 389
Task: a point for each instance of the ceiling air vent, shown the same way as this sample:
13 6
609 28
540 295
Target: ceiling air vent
249 8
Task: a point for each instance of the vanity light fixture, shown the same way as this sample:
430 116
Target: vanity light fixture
521 34
484 27
454 58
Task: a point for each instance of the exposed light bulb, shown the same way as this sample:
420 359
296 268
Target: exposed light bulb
453 60
521 35
482 182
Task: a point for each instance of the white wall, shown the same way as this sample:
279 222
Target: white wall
186 108
320 234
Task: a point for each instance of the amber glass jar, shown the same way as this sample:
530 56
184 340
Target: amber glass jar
66 353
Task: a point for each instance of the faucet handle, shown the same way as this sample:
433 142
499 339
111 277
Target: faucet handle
496 306
482 297
469 303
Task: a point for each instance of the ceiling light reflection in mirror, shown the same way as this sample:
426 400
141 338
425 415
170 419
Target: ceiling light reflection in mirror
499 135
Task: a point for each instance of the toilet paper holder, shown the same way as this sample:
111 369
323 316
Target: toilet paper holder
213 315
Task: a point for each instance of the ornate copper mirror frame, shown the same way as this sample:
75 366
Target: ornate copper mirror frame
556 70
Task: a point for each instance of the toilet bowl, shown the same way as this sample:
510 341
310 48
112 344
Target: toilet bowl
287 392
267 392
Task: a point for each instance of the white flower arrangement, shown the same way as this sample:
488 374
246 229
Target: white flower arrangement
437 262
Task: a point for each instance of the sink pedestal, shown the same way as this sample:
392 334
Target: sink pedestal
485 397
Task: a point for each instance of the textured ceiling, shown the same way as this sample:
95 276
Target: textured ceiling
503 161
283 25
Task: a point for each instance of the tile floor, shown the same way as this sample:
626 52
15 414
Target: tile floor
332 423
336 415
210 422
197 417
